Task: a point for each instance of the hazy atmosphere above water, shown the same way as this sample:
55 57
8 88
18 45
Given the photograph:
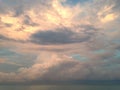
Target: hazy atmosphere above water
54 41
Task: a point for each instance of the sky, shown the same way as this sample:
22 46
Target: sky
59 40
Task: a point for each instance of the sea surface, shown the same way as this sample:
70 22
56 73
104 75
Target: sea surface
60 87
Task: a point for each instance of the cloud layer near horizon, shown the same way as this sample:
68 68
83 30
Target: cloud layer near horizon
55 40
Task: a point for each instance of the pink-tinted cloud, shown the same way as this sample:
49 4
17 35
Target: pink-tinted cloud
54 33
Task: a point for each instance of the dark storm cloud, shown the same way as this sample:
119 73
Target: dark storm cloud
60 36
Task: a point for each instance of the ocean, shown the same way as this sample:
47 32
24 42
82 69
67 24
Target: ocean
60 87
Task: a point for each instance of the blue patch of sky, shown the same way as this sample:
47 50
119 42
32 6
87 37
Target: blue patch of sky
25 60
5 67
5 52
100 51
11 56
109 68
79 57
117 54
117 41
9 2
74 2
112 65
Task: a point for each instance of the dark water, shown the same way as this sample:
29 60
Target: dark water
62 87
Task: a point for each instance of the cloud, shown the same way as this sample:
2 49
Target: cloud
50 66
3 61
52 15
62 36
54 31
